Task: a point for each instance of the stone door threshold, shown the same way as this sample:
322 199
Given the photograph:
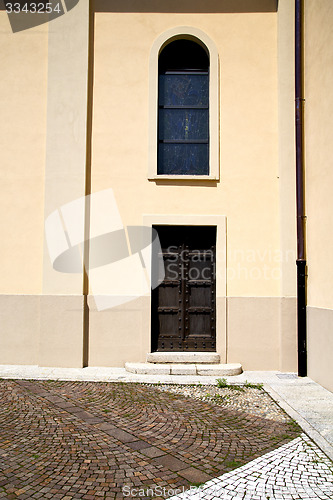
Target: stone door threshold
214 369
183 357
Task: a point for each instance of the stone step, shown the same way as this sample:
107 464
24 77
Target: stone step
213 369
183 357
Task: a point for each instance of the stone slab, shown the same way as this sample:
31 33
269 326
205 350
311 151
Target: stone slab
170 462
183 369
83 415
139 445
54 399
214 369
148 368
123 436
153 452
183 357
194 475
220 369
106 426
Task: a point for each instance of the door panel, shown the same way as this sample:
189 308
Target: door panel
183 306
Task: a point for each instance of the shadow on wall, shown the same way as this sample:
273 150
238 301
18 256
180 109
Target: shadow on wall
174 6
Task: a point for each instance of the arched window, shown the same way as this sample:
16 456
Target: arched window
183 109
184 133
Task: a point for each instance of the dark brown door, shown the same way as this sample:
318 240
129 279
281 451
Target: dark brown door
183 306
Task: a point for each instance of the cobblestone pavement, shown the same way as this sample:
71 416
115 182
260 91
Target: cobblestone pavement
237 397
297 470
63 440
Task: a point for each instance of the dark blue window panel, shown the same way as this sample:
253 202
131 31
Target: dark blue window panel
183 90
183 124
183 159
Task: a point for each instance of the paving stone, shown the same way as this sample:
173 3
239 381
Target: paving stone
194 475
170 462
105 426
78 412
139 445
53 399
153 452
121 435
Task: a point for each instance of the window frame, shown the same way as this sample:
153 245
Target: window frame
196 35
162 140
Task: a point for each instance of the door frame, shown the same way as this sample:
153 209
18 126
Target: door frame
221 267
181 292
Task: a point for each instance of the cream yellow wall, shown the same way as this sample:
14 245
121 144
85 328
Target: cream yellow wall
248 190
66 141
319 150
319 181
287 188
287 169
62 314
23 87
254 176
43 158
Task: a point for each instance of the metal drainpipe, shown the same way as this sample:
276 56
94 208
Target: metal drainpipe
301 255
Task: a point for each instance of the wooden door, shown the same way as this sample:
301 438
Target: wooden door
184 305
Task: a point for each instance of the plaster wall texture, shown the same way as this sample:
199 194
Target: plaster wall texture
257 248
23 97
258 324
286 124
43 133
320 345
66 141
319 179
319 150
248 190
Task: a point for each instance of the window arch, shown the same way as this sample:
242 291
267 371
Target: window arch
187 129
183 109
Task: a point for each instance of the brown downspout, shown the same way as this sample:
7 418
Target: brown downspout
301 254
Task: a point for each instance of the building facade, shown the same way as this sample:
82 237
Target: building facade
185 111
